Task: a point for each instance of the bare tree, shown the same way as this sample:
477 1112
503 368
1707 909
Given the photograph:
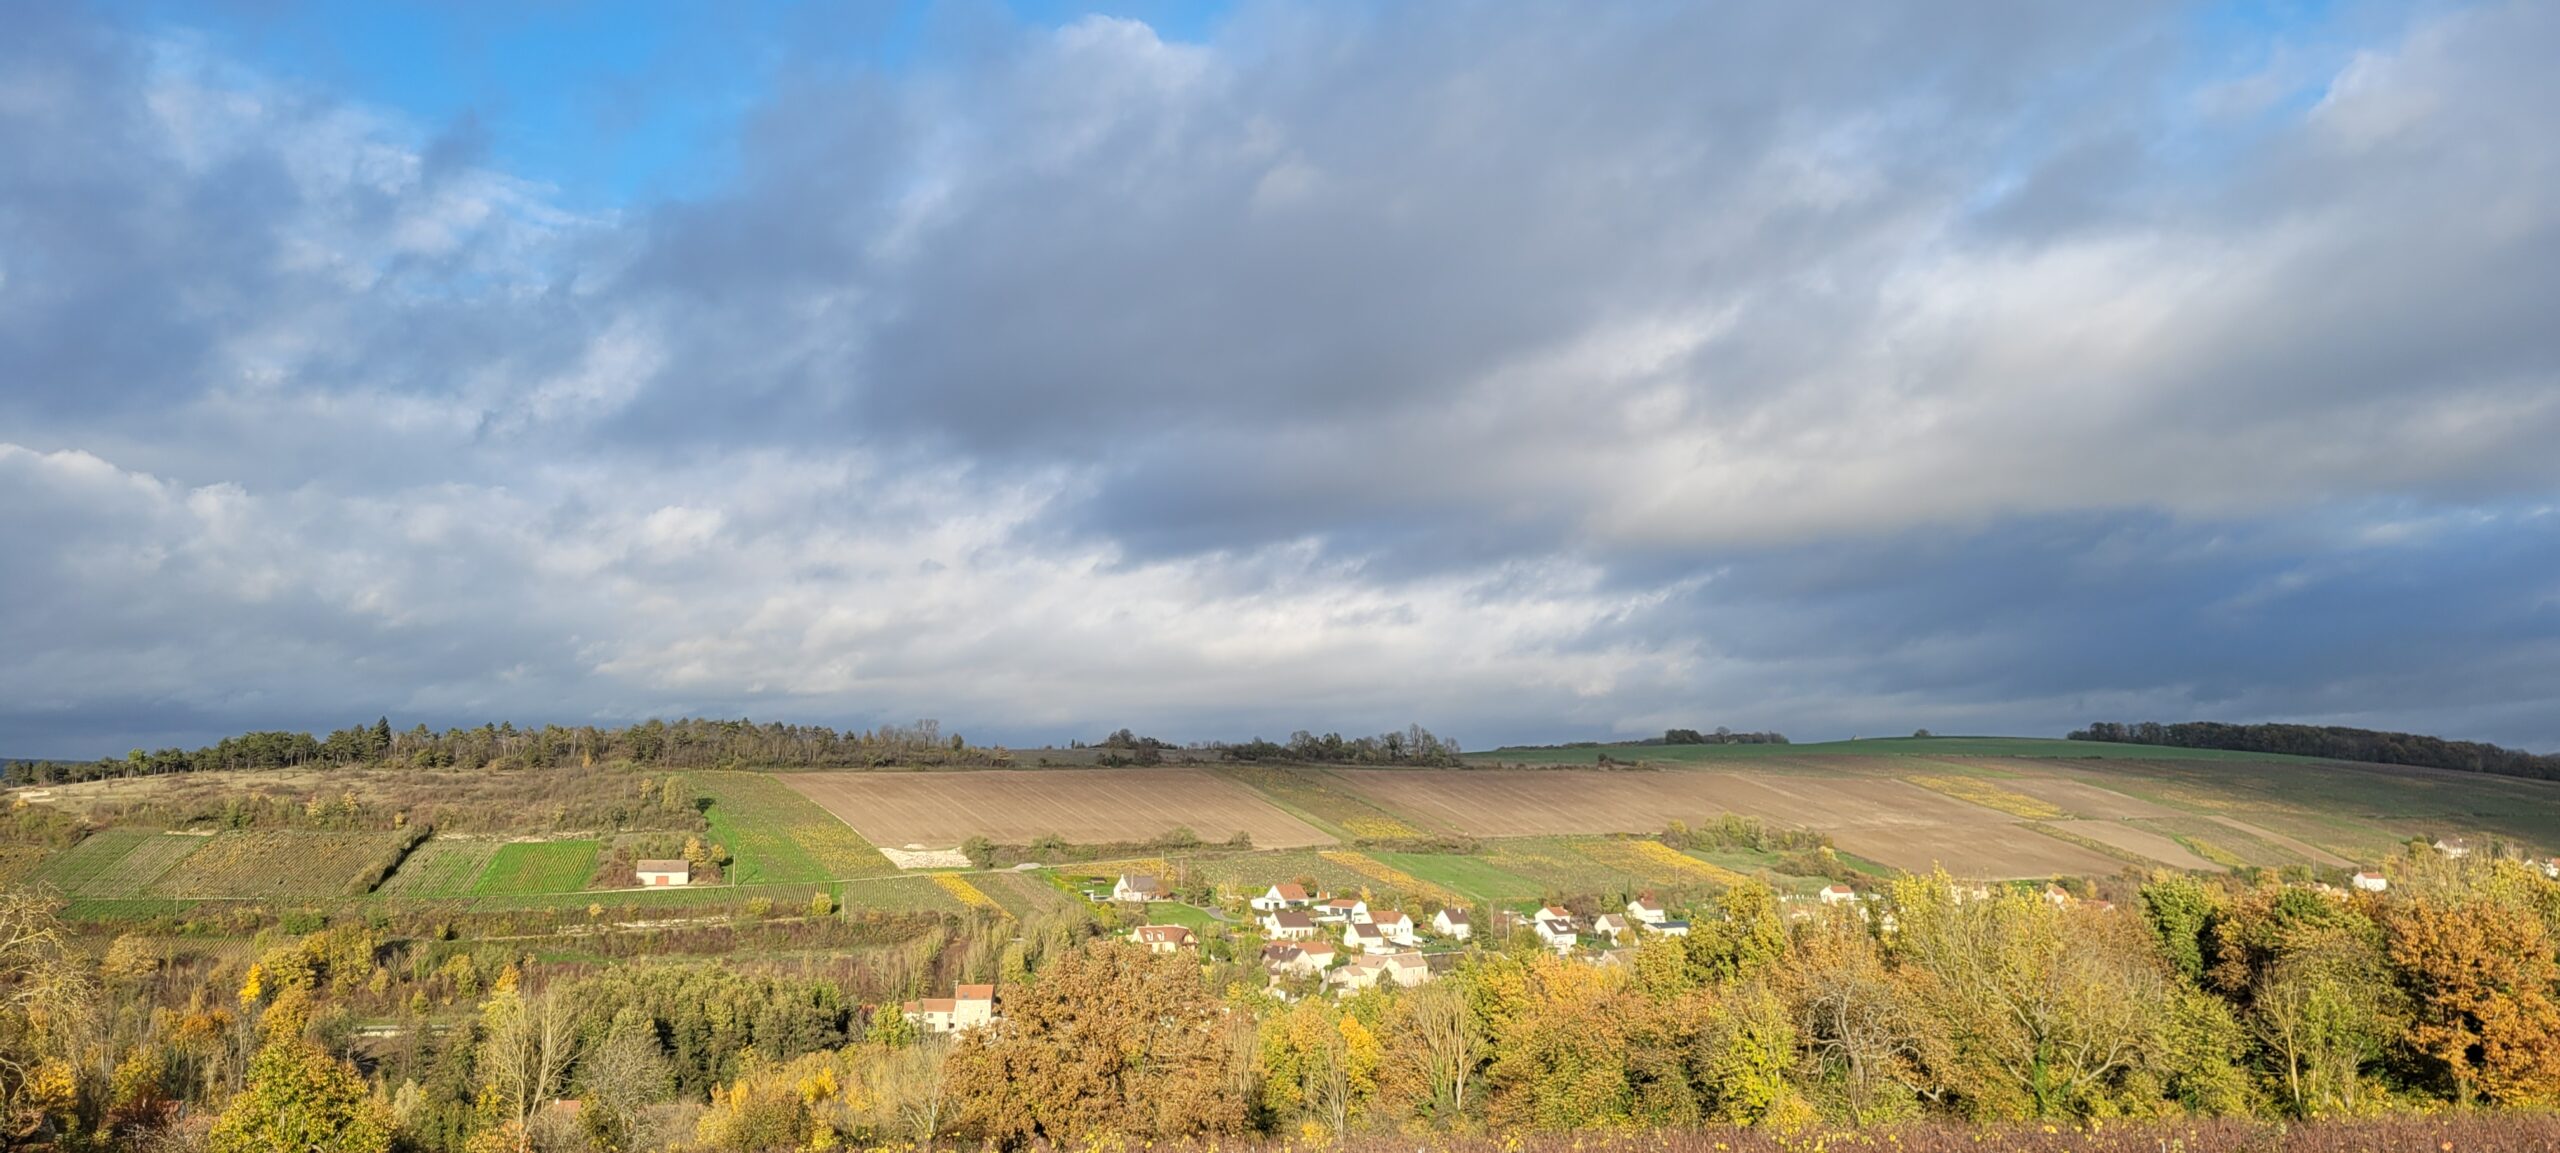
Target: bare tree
527 1044
1453 1046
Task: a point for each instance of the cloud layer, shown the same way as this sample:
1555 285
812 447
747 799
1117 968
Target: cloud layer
1525 372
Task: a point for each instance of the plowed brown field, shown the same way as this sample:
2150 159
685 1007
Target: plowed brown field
1885 820
1013 806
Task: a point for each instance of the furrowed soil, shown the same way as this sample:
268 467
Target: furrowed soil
1015 806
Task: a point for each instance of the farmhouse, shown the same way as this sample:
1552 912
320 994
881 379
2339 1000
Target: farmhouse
657 873
1452 923
1647 910
1139 887
1555 932
1279 897
1289 925
1343 909
1395 926
968 1007
1610 925
1837 894
1367 938
2372 882
1162 938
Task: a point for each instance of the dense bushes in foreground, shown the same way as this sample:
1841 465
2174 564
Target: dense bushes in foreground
1946 1015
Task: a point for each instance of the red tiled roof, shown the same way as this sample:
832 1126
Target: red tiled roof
973 992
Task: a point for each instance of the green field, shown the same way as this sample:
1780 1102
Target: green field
115 862
2039 747
530 867
1476 877
776 835
441 868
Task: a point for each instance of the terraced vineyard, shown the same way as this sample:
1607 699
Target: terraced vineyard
116 862
277 863
441 868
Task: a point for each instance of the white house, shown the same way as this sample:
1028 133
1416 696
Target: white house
1552 913
1452 923
1395 926
2454 847
1610 925
656 873
2057 895
1289 925
1163 938
1837 894
1139 887
1367 938
2372 882
1666 928
1407 969
968 1007
1279 897
1343 910
1361 973
1286 958
1555 932
1647 910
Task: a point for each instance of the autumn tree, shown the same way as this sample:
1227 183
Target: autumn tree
1851 1018
2480 979
2025 1009
1107 1039
46 1005
300 1098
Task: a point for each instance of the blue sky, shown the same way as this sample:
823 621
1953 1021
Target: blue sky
1529 371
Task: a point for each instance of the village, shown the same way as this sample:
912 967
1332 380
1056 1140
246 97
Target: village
1314 943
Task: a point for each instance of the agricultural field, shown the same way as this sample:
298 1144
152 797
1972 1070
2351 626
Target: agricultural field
115 862
441 867
777 835
529 867
2143 843
275 863
1015 806
1029 895
909 894
1323 800
1868 747
1485 881
18 861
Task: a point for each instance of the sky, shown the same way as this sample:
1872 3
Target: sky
1528 371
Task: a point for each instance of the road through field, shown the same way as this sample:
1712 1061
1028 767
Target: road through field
1013 806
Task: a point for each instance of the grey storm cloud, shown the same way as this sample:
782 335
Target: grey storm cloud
1525 370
